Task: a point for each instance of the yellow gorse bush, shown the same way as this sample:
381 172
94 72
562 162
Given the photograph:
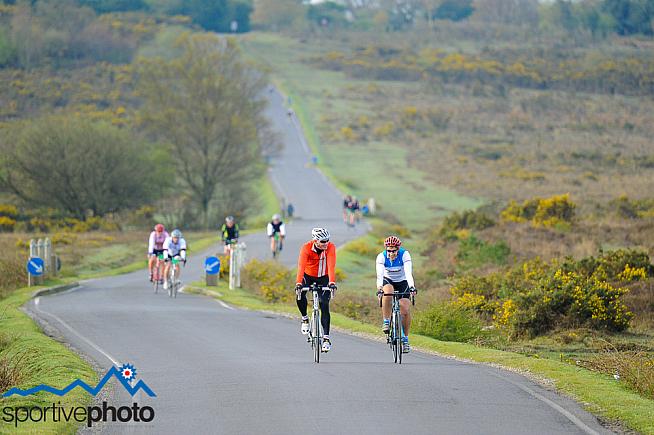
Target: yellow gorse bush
546 212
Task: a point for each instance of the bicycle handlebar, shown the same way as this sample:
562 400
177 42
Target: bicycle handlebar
306 289
381 294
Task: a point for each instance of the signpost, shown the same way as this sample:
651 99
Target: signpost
212 268
35 266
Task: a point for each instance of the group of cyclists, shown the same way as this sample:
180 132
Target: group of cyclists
351 210
316 265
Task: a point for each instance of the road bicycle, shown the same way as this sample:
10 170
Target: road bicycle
315 331
276 244
396 332
157 273
173 282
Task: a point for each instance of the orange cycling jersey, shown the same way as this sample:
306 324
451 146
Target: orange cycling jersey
317 263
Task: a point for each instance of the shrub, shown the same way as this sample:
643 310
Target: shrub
362 247
12 275
474 252
269 279
357 307
546 212
447 322
632 209
469 220
7 224
538 297
8 210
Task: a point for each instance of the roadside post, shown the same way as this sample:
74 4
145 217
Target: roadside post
35 268
212 270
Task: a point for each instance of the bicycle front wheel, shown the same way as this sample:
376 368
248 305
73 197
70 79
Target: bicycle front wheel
317 345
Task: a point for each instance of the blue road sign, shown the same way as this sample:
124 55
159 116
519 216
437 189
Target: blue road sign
212 265
35 266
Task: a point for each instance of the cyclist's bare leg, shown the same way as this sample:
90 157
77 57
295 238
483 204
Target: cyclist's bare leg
405 304
166 270
150 262
272 243
387 302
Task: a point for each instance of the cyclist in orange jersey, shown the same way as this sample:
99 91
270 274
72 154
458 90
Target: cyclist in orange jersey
317 264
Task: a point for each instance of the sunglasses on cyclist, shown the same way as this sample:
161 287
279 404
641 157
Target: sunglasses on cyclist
323 241
391 250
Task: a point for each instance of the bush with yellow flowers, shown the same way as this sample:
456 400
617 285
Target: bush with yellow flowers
546 212
538 297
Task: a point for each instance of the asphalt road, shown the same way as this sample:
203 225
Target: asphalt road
220 370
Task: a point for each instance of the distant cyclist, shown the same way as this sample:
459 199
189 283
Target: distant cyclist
395 273
347 201
317 264
174 247
155 245
276 226
229 234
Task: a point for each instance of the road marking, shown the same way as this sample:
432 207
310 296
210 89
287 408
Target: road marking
225 305
86 340
570 416
37 300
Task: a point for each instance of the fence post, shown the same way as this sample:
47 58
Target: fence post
47 257
40 251
232 266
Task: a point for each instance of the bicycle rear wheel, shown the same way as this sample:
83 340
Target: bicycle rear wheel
317 345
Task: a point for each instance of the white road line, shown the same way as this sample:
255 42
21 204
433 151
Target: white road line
570 416
86 340
225 305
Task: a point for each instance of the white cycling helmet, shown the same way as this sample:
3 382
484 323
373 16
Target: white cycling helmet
320 234
176 233
276 217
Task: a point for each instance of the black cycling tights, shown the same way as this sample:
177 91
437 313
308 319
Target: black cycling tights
325 296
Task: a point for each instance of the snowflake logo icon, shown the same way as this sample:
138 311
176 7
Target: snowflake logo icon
128 372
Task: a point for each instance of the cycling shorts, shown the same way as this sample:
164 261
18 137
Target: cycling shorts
400 286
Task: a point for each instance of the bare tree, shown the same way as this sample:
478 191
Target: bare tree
207 104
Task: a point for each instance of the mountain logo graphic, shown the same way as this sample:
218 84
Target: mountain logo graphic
125 374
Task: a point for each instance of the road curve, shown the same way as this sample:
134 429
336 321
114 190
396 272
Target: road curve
220 370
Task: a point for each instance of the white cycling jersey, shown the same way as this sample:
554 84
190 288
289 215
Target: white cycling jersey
173 249
273 228
397 270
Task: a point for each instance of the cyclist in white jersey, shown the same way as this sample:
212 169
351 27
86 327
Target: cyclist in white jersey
395 273
174 246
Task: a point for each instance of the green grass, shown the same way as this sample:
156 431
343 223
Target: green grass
599 394
268 202
46 361
117 259
359 169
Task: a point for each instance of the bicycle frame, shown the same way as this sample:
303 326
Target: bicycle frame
315 329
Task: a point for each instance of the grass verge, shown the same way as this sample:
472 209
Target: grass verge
37 359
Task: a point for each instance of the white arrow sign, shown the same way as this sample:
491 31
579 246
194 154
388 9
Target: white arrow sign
36 267
211 266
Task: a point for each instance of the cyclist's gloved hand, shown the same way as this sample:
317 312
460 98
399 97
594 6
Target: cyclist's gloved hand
413 290
380 291
332 287
298 288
